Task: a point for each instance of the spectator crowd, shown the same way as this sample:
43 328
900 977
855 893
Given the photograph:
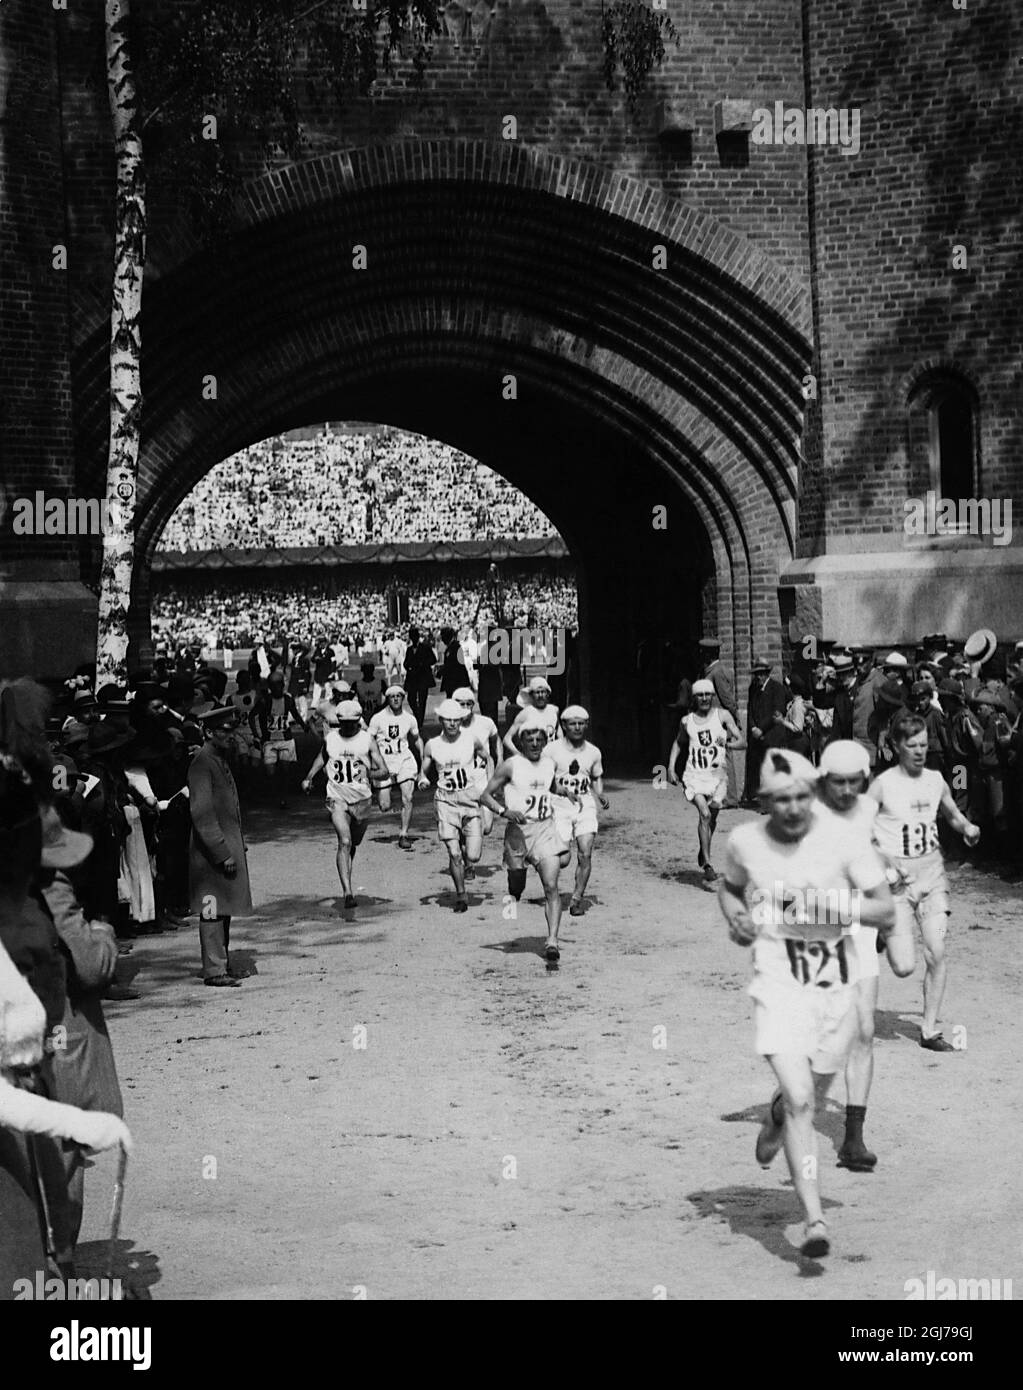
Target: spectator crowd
237 612
969 695
342 488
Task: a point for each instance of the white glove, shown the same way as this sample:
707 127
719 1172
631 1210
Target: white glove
22 1025
97 1130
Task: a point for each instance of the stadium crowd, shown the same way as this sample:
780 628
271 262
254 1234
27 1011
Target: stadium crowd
349 489
238 612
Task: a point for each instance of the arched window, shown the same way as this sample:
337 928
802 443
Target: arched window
944 435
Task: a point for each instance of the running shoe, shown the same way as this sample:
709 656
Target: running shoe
404 842
709 874
815 1240
936 1044
575 908
461 905
350 900
552 953
857 1158
771 1131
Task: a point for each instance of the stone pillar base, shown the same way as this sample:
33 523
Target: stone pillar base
896 597
47 628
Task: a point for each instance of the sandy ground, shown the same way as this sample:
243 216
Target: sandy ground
507 1131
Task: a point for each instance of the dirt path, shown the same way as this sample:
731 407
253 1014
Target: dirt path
509 1132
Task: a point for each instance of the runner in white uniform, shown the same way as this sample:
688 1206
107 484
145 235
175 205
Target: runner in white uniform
844 770
482 728
579 771
272 720
397 735
526 781
459 823
537 714
909 798
352 760
708 734
792 887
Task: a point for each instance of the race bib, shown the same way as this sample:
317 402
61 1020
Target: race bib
918 838
391 743
453 779
822 964
349 770
538 807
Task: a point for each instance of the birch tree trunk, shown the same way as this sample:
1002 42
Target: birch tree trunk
125 353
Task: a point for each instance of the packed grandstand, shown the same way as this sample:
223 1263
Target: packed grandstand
349 486
239 611
318 494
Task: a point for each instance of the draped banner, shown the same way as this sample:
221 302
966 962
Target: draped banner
544 548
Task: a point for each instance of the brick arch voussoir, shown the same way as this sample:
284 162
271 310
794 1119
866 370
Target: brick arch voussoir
327 176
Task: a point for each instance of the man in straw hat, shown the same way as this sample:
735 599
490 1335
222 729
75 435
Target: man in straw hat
793 889
218 872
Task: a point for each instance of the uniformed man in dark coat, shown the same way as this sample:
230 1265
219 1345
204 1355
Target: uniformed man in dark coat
217 872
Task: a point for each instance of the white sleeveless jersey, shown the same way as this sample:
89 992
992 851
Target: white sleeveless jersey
393 731
278 721
529 789
857 823
347 765
705 754
455 760
482 728
907 820
575 767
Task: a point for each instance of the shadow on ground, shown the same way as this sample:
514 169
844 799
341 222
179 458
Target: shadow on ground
762 1216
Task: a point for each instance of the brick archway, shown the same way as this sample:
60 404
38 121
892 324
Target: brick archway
485 261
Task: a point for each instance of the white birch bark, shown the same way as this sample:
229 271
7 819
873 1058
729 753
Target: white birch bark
125 353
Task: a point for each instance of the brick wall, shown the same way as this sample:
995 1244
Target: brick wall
35 386
939 165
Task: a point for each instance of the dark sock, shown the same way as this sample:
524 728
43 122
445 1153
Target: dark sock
854 1118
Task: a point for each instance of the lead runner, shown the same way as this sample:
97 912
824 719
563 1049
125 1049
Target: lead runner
791 888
